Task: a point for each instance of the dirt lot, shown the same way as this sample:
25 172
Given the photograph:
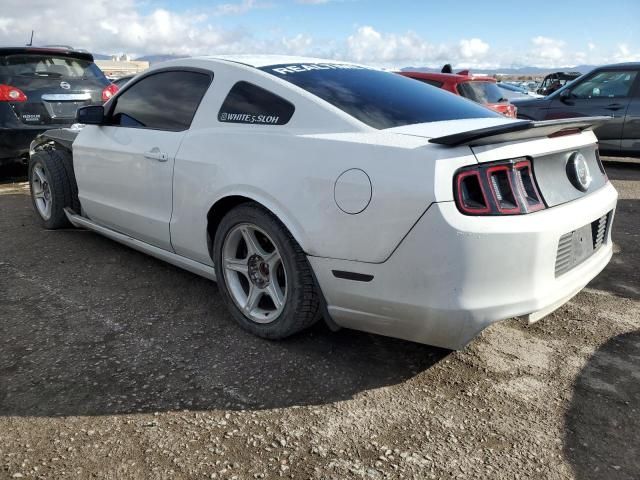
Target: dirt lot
115 365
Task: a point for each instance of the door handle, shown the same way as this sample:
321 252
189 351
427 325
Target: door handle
156 154
614 106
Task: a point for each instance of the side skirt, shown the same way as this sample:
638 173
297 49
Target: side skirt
198 268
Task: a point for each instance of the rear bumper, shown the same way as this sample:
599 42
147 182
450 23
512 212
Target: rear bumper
453 275
16 137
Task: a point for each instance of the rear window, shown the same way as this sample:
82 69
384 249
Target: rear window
49 66
377 98
481 92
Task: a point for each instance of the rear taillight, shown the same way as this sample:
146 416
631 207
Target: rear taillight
11 94
600 164
503 188
109 91
507 109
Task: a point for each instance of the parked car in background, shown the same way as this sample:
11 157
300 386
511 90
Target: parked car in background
512 92
426 225
612 90
555 81
42 87
120 81
479 89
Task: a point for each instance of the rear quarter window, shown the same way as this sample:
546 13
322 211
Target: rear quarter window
249 104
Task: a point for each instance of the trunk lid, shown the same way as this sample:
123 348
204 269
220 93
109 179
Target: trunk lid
551 146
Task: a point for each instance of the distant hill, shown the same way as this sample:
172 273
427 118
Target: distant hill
157 58
509 71
160 58
148 58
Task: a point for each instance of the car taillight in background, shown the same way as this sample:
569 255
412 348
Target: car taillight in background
501 188
11 94
507 109
109 91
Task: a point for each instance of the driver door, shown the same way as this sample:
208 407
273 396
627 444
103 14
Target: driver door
124 168
603 93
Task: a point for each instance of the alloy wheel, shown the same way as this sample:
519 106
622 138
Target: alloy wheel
254 273
41 191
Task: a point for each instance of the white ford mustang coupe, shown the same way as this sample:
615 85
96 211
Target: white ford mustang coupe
310 188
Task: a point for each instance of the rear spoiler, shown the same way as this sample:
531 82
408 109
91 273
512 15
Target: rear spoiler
522 130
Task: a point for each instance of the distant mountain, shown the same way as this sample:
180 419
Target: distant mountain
147 58
160 58
525 70
509 71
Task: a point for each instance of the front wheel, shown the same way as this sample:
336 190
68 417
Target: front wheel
263 274
53 187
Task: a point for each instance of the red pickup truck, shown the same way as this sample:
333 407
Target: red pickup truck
479 89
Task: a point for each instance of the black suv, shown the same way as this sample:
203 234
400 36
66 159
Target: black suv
612 90
41 88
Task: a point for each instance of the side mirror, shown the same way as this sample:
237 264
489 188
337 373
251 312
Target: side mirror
565 94
92 115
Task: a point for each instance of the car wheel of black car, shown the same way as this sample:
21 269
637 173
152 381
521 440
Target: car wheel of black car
263 274
53 187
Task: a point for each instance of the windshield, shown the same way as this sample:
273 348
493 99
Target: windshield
49 66
481 92
376 98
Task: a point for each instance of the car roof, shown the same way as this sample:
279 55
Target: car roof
447 77
259 61
632 65
61 51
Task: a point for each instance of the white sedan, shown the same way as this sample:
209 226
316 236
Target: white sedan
311 188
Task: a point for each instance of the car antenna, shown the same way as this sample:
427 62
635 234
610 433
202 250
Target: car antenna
30 44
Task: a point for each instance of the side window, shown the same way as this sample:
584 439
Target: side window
161 101
248 103
612 84
433 83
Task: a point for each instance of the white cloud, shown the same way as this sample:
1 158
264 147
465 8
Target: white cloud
624 53
547 49
473 49
105 26
135 27
368 45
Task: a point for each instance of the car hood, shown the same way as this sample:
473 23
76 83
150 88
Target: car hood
449 127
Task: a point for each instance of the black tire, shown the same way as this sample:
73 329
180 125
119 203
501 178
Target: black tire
302 300
58 167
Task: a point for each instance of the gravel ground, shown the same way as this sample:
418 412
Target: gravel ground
115 365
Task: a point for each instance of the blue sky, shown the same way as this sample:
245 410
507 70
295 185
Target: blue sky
391 33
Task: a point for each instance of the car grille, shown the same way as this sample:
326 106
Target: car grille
577 246
599 231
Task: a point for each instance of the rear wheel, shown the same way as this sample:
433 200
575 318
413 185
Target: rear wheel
263 274
53 187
